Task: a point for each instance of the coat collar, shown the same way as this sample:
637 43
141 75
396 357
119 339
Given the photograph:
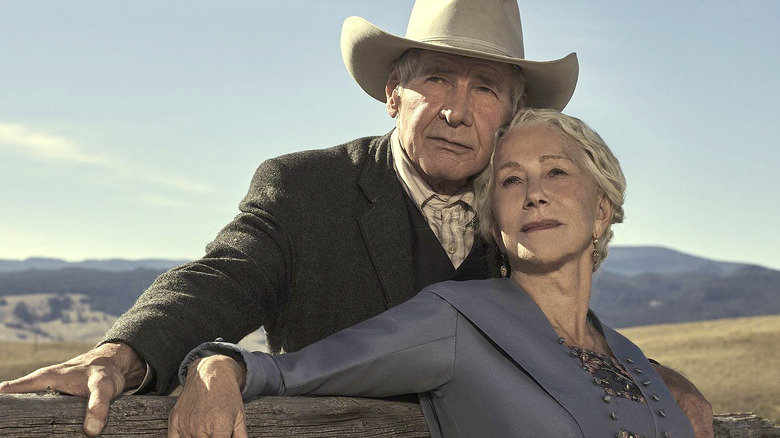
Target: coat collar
508 316
385 223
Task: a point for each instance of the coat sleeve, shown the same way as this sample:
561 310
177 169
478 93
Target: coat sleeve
407 349
230 292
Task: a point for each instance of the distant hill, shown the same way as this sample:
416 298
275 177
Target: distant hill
635 260
108 291
48 264
637 286
651 298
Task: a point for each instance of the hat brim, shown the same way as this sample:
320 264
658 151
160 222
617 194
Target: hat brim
369 51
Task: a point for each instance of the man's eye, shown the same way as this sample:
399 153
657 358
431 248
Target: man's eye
435 79
487 90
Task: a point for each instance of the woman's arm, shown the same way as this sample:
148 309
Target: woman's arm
407 349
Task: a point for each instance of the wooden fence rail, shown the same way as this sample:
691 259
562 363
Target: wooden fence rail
44 415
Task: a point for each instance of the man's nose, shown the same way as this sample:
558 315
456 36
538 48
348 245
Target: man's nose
456 110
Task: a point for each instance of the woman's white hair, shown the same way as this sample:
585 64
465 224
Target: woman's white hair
593 155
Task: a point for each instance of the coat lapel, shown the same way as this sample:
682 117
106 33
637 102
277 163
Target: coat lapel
495 307
385 224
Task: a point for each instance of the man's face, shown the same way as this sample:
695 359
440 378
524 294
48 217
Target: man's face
447 116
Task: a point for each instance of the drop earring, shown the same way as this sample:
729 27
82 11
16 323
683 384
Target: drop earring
504 270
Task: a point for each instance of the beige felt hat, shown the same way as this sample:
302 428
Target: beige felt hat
485 29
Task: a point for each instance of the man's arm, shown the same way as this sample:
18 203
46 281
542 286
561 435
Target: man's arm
228 293
691 401
99 374
241 282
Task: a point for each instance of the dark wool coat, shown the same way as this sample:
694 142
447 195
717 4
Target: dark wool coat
321 243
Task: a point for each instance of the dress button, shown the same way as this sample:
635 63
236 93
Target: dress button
667 434
613 415
646 382
219 340
606 398
662 413
451 248
629 360
655 397
638 371
596 381
561 340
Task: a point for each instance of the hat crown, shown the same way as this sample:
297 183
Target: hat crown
490 26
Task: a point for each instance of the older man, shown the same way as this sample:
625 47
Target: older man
328 238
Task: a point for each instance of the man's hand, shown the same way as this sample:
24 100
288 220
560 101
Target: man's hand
691 401
210 404
99 374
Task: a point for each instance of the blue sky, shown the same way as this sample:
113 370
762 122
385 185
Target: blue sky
132 129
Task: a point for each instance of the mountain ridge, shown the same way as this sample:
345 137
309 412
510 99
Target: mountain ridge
637 286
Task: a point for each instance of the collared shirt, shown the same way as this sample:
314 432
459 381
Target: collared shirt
450 217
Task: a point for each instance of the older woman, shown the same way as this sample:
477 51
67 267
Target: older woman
519 356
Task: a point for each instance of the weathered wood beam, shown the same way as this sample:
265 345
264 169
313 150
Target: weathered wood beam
38 415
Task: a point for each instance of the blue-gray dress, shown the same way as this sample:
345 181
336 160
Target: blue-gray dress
486 363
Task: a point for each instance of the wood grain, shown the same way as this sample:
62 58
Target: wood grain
53 415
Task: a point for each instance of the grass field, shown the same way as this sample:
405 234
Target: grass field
734 362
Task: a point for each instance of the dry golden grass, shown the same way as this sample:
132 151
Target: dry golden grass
734 362
20 358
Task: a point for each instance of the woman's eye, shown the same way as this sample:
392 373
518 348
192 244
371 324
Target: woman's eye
435 79
511 180
556 172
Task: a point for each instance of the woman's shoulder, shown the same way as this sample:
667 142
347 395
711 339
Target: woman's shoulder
473 289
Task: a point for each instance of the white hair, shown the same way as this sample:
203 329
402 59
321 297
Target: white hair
592 153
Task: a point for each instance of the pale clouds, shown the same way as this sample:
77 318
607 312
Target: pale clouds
43 145
163 201
46 146
179 183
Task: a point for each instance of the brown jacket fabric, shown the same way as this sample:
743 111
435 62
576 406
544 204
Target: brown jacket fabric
322 242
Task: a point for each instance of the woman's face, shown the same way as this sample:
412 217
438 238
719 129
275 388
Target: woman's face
547 208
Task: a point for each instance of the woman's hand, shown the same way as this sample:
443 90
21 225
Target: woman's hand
210 404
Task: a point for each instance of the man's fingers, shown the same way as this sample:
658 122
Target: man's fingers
173 431
34 382
239 430
702 424
102 391
97 413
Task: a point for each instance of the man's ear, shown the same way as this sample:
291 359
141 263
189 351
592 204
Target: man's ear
391 93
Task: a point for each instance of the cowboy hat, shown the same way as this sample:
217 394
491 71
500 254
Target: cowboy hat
484 29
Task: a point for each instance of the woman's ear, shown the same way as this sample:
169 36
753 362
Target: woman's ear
391 93
603 215
497 236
